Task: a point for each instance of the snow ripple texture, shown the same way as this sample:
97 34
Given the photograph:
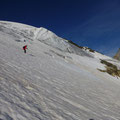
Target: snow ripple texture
54 80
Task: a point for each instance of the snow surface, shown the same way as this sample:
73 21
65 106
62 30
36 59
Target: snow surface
54 80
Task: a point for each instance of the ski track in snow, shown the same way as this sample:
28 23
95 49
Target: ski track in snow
48 84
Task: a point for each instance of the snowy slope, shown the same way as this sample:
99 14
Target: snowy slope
55 80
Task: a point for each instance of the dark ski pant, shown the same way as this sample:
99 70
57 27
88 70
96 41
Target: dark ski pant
24 51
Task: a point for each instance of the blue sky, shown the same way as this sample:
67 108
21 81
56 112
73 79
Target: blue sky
92 23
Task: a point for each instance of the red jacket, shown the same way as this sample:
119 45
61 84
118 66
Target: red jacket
25 47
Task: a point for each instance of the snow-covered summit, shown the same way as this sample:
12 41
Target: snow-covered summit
30 33
33 33
38 33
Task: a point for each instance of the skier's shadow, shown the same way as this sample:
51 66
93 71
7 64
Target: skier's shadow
32 55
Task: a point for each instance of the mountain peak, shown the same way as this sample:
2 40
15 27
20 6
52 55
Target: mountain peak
117 55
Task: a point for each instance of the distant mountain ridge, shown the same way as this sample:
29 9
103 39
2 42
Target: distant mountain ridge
117 55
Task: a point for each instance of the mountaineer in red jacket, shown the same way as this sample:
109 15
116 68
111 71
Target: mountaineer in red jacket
24 48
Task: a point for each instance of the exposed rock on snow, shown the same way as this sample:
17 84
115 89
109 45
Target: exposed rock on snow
110 69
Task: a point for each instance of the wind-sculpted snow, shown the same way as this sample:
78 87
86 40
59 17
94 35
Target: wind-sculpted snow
50 84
